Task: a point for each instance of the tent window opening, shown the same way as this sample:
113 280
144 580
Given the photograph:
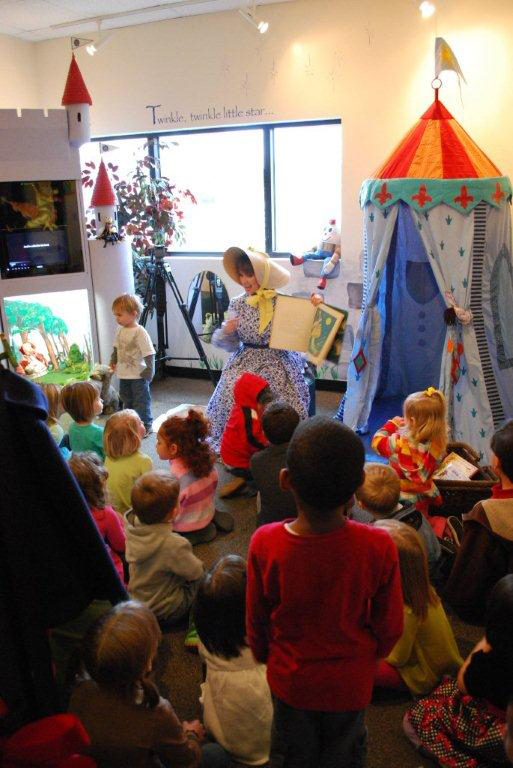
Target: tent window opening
501 288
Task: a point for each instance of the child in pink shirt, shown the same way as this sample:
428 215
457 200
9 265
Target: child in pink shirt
183 442
91 476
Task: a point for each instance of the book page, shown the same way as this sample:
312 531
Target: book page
292 323
455 467
326 324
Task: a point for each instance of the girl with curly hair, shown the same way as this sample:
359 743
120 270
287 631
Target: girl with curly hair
184 443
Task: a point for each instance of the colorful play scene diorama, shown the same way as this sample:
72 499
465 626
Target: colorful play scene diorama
438 284
50 335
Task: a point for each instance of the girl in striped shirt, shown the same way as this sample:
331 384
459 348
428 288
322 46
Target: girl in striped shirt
183 442
415 445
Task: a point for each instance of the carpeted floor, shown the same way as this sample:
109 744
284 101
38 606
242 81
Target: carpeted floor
179 670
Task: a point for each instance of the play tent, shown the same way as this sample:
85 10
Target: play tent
437 230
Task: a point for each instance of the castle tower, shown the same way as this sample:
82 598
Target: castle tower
104 199
111 263
77 101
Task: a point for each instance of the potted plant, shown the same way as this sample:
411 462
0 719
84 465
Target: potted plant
150 208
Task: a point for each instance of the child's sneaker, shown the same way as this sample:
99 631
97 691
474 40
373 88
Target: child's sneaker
223 521
191 638
455 529
232 487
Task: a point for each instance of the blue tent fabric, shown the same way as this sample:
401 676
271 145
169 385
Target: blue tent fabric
411 308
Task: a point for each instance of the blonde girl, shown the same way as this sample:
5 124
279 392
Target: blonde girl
184 443
427 649
124 461
415 445
83 403
127 720
52 393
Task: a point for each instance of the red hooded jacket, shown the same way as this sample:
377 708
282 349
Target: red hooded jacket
243 435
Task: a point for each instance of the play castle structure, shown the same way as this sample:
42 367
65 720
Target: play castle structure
56 287
438 284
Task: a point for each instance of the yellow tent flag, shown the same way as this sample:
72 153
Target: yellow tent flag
445 59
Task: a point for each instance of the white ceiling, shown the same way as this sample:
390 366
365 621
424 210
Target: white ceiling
37 19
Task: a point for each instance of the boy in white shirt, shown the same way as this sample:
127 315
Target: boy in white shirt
133 358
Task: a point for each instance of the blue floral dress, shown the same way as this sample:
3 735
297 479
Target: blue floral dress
282 369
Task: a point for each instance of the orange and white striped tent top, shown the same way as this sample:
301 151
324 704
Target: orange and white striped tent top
437 147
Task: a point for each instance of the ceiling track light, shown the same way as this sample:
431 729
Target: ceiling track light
427 9
95 45
250 17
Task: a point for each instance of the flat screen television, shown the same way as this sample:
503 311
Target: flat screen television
39 228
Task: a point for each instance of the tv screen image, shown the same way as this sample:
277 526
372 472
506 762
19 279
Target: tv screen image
39 228
50 335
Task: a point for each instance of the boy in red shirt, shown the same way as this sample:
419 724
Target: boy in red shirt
324 602
243 435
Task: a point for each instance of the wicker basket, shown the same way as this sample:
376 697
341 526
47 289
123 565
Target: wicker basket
459 496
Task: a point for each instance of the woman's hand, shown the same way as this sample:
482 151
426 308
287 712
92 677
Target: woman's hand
316 299
230 326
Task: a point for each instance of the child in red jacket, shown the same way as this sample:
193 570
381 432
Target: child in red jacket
243 434
323 603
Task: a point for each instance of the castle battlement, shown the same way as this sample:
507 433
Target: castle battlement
35 145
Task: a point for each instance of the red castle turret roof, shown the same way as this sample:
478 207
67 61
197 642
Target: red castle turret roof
75 91
437 147
103 194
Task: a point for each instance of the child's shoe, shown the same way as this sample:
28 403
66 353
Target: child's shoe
191 638
223 521
296 260
232 487
321 285
455 530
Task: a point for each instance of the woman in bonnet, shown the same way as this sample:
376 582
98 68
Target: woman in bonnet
246 333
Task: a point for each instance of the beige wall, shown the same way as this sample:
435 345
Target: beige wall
368 62
18 83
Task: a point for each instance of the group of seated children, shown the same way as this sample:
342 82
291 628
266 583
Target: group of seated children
329 608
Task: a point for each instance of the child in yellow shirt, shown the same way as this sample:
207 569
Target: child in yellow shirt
427 649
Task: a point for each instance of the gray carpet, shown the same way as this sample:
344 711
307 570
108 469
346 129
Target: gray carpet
179 670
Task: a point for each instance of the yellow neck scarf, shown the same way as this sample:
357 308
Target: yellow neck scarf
262 299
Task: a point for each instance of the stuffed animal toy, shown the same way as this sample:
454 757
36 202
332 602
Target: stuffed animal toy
101 377
328 251
32 363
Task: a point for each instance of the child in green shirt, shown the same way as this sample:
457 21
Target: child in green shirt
83 403
123 460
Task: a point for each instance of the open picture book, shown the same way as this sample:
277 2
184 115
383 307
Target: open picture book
455 467
299 326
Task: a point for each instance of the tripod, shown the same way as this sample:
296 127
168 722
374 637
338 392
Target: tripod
155 300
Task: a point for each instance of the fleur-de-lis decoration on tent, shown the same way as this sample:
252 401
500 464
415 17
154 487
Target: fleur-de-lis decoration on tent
448 220
474 413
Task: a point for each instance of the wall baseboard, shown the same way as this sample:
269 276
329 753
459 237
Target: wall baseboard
199 373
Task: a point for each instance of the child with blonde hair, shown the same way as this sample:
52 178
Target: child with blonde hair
83 403
91 476
127 720
52 393
124 461
379 499
427 649
184 443
133 358
415 444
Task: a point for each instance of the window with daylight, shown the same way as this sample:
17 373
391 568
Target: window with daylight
273 187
